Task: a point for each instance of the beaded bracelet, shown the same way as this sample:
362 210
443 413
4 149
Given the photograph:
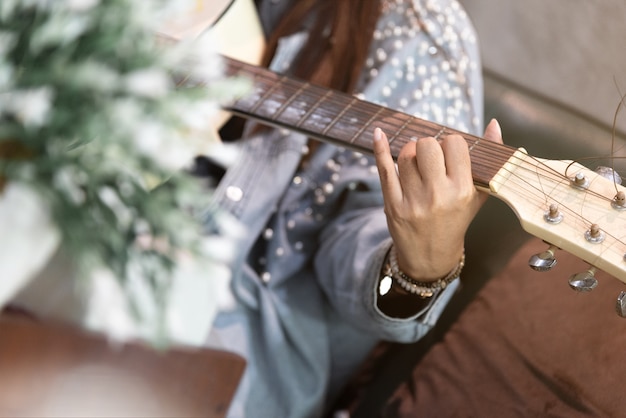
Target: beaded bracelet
423 289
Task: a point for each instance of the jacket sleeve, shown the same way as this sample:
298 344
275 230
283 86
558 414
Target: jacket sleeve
351 251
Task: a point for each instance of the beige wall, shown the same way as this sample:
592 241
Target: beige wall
573 51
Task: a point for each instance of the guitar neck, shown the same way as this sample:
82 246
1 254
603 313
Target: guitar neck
345 120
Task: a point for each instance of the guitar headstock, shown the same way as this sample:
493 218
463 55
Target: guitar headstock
569 206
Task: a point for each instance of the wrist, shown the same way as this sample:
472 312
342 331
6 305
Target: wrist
426 264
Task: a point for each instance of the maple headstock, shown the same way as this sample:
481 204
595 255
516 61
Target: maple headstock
569 206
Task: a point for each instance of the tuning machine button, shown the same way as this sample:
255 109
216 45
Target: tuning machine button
585 281
543 261
620 304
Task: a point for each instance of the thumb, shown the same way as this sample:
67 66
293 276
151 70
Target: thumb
493 132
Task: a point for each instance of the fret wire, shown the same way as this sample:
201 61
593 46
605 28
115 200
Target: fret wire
339 116
476 142
427 128
313 108
293 96
399 131
439 133
267 94
365 125
362 111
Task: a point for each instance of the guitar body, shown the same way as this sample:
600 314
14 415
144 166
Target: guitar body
233 26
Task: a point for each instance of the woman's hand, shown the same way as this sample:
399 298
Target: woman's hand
429 201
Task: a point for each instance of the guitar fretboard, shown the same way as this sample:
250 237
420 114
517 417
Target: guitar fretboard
345 120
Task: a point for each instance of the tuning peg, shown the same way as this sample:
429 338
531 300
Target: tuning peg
543 261
619 201
585 281
620 304
553 215
580 181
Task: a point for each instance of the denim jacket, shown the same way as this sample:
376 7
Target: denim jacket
305 278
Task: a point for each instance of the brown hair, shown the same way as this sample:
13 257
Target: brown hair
340 35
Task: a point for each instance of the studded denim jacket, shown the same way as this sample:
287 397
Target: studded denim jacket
305 279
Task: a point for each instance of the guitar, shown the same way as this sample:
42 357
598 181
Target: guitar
233 26
561 202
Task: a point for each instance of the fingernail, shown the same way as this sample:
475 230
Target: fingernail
495 122
378 134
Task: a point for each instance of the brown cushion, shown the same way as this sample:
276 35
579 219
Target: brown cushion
528 345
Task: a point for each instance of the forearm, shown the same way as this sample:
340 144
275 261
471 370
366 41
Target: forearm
352 283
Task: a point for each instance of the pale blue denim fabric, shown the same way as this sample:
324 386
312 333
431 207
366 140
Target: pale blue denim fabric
306 329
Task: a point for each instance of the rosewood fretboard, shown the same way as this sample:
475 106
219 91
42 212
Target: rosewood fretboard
345 120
